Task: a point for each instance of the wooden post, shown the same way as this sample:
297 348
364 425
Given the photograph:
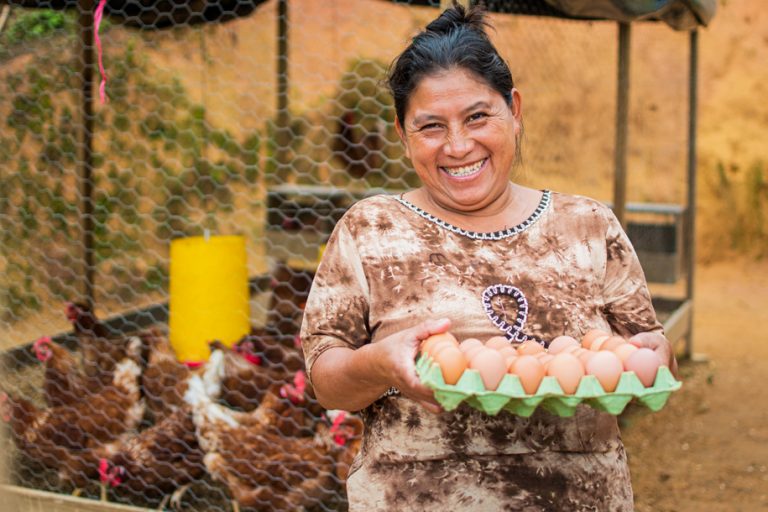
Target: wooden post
622 128
690 224
85 52
282 135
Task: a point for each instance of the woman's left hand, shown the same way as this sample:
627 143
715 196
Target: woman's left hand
659 344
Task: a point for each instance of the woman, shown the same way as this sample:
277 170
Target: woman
399 269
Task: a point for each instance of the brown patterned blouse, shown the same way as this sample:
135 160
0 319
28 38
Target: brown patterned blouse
389 266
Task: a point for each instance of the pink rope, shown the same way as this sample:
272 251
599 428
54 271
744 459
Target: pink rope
96 22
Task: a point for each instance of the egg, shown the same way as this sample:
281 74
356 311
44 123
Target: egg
584 356
472 351
530 371
529 348
591 335
491 367
568 371
469 343
624 351
426 345
438 347
597 343
544 357
607 369
509 361
612 343
452 364
645 363
561 342
498 342
507 351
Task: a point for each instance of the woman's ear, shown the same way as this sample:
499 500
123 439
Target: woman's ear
517 109
401 134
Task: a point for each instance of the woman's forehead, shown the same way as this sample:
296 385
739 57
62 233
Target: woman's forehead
454 91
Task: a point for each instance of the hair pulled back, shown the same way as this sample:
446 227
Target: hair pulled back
455 39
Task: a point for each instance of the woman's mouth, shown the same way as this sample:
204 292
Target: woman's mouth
465 170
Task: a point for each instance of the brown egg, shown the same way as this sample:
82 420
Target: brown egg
507 351
561 342
529 348
584 356
545 358
426 345
472 351
452 364
491 367
509 361
497 342
530 371
645 363
438 347
607 369
612 342
568 371
624 351
469 343
591 335
597 343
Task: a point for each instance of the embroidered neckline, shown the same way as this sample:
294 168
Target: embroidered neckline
546 199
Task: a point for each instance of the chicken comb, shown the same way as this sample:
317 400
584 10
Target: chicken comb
40 347
42 341
103 467
300 381
338 420
338 435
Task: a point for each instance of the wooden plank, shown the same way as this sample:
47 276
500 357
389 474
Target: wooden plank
22 499
677 325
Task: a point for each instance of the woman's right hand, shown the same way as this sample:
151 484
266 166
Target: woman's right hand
398 361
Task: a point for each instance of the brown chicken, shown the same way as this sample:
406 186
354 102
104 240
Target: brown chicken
101 348
347 432
261 467
63 383
161 460
65 438
246 379
164 380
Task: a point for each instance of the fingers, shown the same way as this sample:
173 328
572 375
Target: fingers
430 327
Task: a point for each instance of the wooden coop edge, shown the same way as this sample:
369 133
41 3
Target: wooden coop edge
23 499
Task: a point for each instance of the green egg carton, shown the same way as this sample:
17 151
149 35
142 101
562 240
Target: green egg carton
511 396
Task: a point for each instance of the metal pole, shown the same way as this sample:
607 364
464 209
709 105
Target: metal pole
622 129
690 224
282 137
85 25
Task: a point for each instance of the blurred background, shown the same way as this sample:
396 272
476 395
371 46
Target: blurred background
268 120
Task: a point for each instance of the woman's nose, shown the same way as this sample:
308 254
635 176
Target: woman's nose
458 144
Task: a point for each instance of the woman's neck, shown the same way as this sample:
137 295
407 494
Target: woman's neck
515 204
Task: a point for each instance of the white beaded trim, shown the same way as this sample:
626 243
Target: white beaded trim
546 199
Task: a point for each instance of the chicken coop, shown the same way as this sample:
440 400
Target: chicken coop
130 126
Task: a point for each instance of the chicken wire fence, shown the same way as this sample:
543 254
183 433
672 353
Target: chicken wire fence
261 119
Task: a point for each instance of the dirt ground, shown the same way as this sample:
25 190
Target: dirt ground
708 448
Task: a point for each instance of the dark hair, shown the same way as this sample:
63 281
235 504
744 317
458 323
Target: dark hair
456 39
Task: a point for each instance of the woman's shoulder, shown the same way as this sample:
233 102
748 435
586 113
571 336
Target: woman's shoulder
574 204
373 211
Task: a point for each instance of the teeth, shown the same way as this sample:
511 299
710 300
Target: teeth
466 170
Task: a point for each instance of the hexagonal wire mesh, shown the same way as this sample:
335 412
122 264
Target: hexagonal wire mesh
209 129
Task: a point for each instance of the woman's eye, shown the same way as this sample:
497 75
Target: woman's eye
477 116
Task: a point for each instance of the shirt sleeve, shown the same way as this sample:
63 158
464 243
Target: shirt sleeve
336 313
626 300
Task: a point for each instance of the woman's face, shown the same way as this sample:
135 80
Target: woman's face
461 135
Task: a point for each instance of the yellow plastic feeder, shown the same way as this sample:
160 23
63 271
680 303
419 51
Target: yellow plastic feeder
209 294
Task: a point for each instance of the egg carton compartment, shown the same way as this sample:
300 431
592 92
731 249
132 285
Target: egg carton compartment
511 396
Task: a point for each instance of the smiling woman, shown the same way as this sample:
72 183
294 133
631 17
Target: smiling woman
398 270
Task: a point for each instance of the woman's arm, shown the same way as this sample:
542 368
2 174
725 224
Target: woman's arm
352 379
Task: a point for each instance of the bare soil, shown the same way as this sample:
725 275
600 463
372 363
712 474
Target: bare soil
708 448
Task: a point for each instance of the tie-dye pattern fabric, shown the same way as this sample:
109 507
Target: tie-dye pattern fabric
386 268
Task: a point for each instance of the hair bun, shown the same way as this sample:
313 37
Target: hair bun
458 16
